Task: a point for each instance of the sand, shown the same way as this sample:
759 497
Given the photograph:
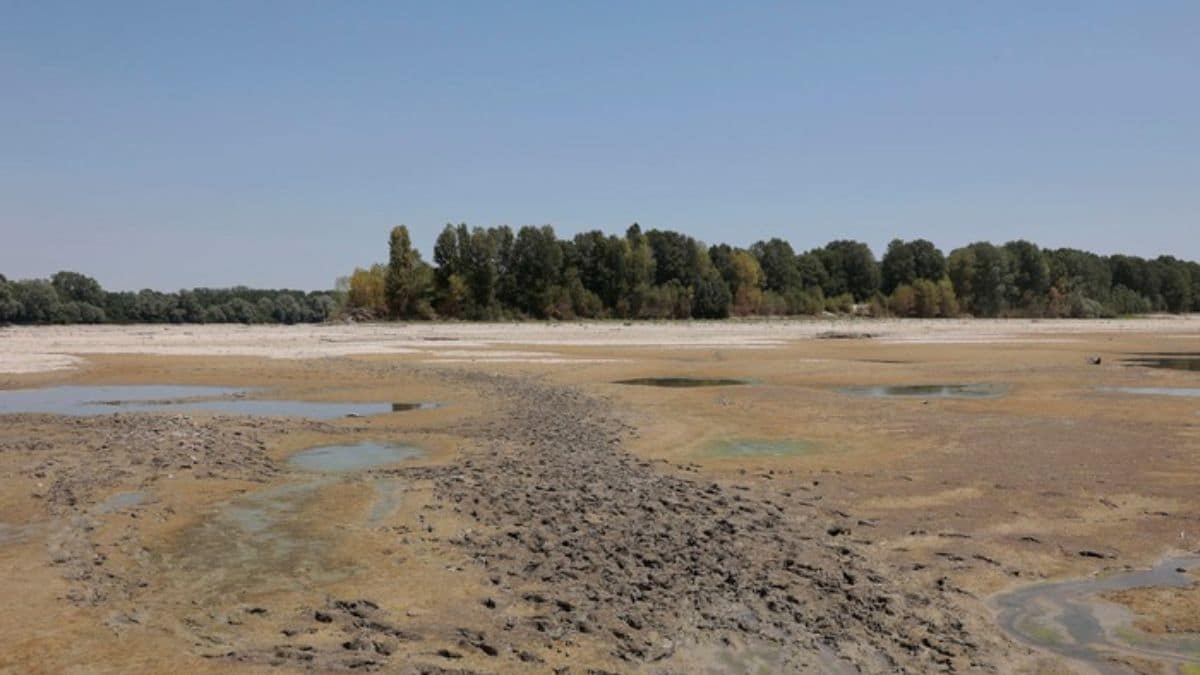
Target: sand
33 349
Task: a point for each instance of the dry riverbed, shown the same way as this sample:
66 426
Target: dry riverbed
806 514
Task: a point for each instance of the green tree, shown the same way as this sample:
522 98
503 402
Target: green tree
241 310
639 272
1176 288
898 267
903 301
982 277
930 262
781 272
677 257
581 301
72 286
712 297
852 269
1030 273
1080 273
905 262
812 271
602 261
1126 301
10 308
538 262
38 300
406 282
745 280
367 293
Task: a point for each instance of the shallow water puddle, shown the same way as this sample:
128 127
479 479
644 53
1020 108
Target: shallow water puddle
1168 360
929 391
388 495
107 399
682 382
357 457
1070 619
10 533
261 407
261 540
102 400
287 536
120 502
758 447
1185 392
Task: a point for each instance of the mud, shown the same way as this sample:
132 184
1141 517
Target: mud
588 540
557 522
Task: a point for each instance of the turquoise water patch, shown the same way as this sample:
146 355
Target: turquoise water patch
357 457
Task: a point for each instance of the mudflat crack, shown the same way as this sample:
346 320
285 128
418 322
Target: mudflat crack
601 542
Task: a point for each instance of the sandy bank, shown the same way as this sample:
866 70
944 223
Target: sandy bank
25 349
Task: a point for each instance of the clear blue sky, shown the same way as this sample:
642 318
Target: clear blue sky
172 144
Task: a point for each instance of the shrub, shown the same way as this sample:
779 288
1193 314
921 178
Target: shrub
842 304
903 301
810 301
1128 301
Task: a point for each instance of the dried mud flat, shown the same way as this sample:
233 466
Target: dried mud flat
594 541
560 523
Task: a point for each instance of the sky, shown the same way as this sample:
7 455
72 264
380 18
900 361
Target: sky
274 144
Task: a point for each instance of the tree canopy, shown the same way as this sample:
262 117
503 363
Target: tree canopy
493 273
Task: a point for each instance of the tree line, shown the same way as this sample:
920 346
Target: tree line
495 273
70 297
498 273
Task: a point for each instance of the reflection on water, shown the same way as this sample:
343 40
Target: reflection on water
929 391
1168 360
419 405
1069 619
682 382
107 399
